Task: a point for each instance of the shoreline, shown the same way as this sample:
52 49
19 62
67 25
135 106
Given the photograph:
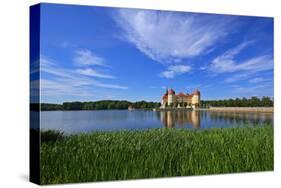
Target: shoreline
223 109
242 109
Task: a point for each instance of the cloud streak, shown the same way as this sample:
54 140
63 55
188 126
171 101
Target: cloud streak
175 70
62 81
85 58
171 37
253 90
226 62
257 80
93 73
237 77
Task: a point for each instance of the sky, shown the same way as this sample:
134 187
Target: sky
92 53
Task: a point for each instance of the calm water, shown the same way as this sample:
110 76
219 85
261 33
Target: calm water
86 121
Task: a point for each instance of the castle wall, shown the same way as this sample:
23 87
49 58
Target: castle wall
171 99
195 100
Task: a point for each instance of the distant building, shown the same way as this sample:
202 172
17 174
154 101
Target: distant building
181 99
130 108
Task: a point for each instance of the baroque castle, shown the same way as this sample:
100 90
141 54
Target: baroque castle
170 98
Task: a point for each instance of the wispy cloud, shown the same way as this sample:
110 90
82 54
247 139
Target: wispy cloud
226 62
94 73
62 81
87 60
111 86
48 66
250 77
170 37
253 90
258 80
86 57
237 77
174 70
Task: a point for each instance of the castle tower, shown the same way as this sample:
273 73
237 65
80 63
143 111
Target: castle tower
171 96
196 98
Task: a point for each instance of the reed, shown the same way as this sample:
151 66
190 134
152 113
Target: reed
101 156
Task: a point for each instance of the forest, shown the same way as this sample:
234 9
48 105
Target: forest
239 102
100 105
123 104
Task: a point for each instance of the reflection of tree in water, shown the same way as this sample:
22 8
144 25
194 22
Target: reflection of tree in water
253 118
179 118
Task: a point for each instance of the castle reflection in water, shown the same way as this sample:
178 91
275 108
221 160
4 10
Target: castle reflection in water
197 119
180 118
86 121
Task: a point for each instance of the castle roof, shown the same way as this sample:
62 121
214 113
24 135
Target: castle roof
181 94
196 92
171 91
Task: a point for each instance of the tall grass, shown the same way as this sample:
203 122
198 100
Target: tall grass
101 156
51 136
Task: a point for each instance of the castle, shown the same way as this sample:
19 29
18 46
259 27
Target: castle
171 99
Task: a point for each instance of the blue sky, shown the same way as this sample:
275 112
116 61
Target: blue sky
96 53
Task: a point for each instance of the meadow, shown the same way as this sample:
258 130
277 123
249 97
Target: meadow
120 155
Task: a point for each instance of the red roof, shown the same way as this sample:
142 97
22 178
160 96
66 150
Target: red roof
181 94
197 92
171 91
190 96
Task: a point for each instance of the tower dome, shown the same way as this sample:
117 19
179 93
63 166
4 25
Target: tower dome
196 92
171 91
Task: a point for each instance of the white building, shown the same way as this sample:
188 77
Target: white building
170 98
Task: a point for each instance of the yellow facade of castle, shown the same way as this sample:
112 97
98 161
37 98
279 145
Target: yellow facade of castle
170 98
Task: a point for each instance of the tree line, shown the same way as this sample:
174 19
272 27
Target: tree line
239 102
100 105
123 104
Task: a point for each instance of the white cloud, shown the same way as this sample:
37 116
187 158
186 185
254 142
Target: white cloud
257 80
85 58
203 68
94 73
255 64
226 62
174 70
47 65
253 90
62 81
169 37
112 86
236 77
246 76
167 74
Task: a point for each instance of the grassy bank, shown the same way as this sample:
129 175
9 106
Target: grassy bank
242 109
121 155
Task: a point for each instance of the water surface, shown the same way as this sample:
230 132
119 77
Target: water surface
86 121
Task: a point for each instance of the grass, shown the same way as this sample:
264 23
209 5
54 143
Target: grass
101 156
51 136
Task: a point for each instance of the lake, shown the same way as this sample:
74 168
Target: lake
109 120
